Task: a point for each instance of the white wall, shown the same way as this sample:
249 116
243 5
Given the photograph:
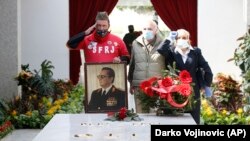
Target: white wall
45 30
44 33
220 24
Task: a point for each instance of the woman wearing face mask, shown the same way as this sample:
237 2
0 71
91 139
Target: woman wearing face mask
145 60
187 58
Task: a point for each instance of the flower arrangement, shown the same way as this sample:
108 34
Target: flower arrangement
42 97
5 128
174 90
123 115
226 107
212 116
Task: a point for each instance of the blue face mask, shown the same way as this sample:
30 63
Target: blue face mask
148 34
102 33
182 44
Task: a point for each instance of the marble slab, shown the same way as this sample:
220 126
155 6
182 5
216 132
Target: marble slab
93 127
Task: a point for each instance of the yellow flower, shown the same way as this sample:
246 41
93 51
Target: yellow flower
57 102
240 111
28 113
65 94
65 98
224 112
48 103
209 112
17 98
34 96
204 103
50 112
58 107
40 104
14 113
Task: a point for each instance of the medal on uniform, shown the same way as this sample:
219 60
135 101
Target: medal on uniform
111 101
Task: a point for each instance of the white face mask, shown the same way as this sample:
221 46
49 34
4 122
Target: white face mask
182 44
148 34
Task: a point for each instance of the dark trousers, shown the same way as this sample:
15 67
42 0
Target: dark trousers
196 106
196 111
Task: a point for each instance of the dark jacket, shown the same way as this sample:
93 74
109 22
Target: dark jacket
75 40
113 100
194 63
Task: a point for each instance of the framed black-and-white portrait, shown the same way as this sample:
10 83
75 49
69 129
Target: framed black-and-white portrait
105 87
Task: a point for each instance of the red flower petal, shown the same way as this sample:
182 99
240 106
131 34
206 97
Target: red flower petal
185 77
167 81
185 89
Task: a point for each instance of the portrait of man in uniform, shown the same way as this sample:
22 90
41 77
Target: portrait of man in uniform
110 94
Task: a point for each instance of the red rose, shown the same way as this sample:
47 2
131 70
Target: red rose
185 77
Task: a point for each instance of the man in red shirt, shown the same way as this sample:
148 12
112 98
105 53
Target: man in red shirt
101 45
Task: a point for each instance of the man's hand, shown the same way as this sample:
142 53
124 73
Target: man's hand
89 30
132 90
116 60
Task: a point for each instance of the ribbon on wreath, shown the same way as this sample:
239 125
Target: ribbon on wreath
169 86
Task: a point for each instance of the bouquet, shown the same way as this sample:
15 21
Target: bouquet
123 115
173 90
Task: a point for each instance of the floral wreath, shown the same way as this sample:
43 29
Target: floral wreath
169 86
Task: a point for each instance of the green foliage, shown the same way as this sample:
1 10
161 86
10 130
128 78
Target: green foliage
75 101
211 116
42 80
227 94
138 9
147 102
242 53
38 119
3 111
242 60
42 97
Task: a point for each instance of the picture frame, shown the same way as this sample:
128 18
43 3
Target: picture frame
116 96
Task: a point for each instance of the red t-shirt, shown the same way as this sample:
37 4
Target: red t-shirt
104 49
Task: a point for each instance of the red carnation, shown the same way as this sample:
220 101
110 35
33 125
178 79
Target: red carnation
185 89
167 81
122 113
185 77
144 85
149 92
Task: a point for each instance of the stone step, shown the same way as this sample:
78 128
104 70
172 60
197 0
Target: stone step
21 135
